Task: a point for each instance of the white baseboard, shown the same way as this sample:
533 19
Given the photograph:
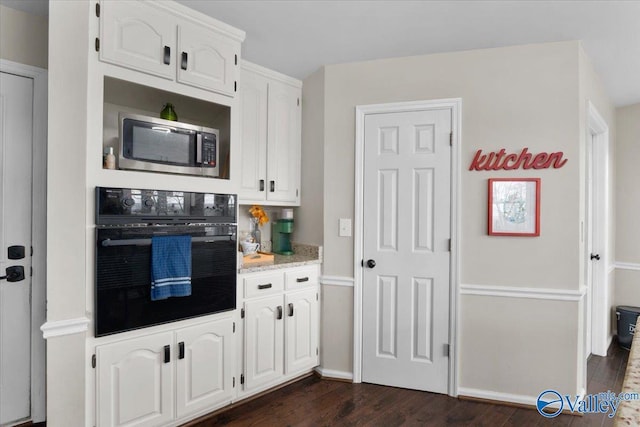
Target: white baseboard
504 397
330 373
497 396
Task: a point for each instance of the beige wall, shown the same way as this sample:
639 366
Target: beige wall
309 216
628 206
514 97
23 37
66 228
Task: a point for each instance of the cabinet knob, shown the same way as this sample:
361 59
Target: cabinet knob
290 309
279 312
167 55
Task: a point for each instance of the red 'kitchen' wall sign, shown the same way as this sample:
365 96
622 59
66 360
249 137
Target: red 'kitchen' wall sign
497 160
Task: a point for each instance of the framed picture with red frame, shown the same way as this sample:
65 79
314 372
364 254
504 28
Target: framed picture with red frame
514 207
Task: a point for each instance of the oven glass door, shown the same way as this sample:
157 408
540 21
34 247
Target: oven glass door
123 276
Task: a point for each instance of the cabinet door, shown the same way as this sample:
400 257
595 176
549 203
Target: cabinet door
264 333
135 382
253 106
207 60
205 366
139 36
301 329
283 143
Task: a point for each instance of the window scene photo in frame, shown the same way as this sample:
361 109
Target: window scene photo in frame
514 207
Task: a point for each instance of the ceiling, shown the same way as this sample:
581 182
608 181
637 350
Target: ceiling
298 37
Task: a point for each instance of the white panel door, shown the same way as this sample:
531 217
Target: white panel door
407 224
205 366
253 128
264 345
134 384
207 60
283 143
16 107
139 36
301 330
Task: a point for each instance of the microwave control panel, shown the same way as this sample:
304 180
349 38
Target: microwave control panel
209 150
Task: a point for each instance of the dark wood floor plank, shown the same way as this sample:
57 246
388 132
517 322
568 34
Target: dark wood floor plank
316 402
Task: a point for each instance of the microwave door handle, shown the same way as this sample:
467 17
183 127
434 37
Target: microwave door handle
198 148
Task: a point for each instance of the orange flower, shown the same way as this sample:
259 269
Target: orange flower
259 214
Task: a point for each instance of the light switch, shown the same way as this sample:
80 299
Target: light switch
345 227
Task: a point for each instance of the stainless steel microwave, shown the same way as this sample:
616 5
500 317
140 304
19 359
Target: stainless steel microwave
157 145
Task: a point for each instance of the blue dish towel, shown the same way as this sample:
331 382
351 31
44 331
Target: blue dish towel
170 267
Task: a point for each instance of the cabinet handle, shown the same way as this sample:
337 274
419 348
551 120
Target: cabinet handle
167 55
185 57
290 309
302 279
272 185
262 185
167 354
279 312
265 286
181 350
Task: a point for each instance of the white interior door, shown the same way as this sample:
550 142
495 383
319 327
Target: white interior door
589 249
407 230
16 112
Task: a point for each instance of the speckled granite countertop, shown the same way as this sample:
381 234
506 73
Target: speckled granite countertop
303 255
628 413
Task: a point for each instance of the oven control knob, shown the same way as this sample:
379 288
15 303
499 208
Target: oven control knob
148 202
128 202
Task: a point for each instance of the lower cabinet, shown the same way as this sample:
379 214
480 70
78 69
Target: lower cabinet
156 379
280 330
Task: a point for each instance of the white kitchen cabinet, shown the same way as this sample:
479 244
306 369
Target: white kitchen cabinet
271 137
280 327
156 379
264 337
152 38
204 366
301 330
135 383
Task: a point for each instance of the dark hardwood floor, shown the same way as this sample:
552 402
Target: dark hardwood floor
316 402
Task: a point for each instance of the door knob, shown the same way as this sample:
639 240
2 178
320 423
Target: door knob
371 263
14 273
595 256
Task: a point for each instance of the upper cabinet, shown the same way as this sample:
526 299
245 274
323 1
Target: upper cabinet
145 36
271 137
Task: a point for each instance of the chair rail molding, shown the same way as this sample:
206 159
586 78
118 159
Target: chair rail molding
58 328
337 281
524 292
627 266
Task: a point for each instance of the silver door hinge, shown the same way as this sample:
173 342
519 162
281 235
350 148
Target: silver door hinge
446 350
93 361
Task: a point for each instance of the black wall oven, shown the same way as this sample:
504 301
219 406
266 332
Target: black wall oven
126 222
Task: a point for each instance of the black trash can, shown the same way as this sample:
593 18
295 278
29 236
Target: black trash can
627 317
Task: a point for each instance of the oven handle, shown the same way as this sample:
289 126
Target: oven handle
146 242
